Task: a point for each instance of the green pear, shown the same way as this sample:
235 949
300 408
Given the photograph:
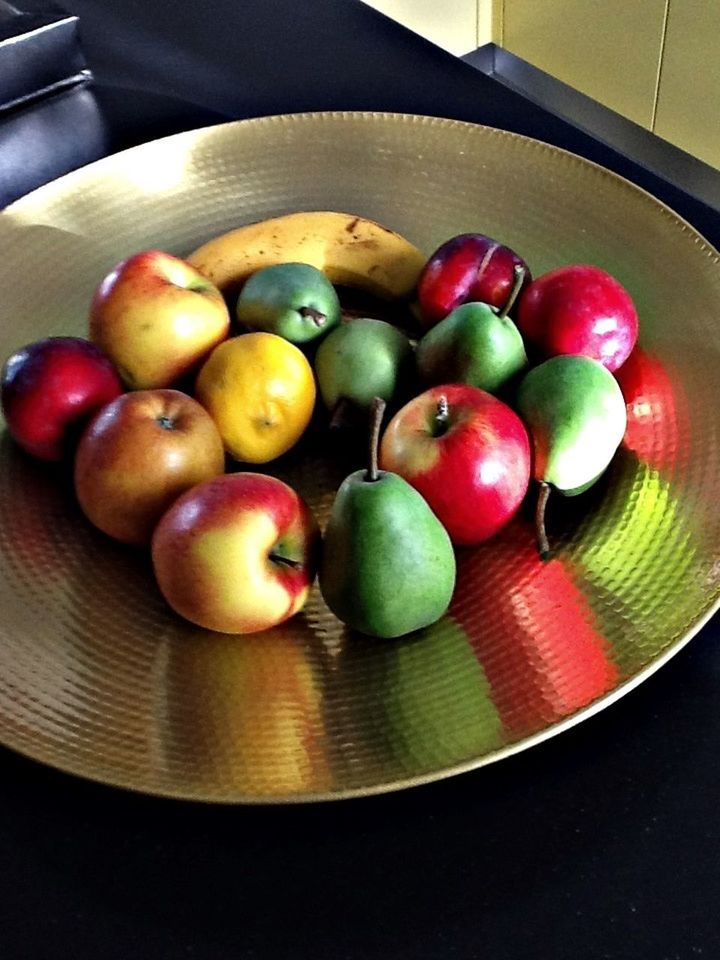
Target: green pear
387 566
475 344
576 415
293 300
360 360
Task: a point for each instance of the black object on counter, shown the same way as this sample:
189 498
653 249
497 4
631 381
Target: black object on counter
50 122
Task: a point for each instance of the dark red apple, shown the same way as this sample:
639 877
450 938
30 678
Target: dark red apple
579 309
466 452
468 267
49 389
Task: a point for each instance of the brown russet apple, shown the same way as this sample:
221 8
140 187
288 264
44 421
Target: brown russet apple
138 454
157 318
237 554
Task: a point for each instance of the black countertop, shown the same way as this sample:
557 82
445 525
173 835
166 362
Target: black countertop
600 843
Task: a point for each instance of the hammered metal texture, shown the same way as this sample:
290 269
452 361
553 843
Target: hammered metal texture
99 678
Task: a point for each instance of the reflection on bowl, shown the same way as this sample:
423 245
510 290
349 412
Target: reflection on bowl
241 715
533 630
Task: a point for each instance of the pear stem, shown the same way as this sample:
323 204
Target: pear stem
318 318
441 416
540 532
518 280
339 414
376 414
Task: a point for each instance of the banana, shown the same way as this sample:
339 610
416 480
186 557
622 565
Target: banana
351 251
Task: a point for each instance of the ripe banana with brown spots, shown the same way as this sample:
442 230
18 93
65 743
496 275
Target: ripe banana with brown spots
351 251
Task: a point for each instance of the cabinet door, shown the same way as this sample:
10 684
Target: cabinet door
609 50
688 108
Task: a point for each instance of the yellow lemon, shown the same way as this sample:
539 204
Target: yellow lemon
260 390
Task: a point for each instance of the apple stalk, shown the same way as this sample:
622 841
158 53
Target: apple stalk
286 561
442 415
518 280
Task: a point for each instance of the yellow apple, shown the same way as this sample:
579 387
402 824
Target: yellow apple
157 318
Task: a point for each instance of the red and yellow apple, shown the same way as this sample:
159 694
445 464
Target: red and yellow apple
466 452
138 454
50 388
157 318
237 554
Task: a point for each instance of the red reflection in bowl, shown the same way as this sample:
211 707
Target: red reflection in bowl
537 637
658 423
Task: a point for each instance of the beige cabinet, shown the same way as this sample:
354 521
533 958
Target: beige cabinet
688 108
609 50
656 62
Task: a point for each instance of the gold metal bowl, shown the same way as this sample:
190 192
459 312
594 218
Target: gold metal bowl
98 677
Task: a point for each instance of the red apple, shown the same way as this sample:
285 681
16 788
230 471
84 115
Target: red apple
158 318
579 309
138 454
466 452
237 554
50 388
468 267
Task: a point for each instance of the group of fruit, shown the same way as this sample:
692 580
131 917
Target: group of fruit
169 389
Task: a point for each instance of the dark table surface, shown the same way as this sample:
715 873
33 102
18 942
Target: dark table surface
600 843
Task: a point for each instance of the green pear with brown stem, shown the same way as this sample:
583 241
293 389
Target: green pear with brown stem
387 566
359 360
576 416
476 344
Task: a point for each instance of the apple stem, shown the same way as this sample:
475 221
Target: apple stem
542 540
376 414
287 561
318 318
518 280
441 416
